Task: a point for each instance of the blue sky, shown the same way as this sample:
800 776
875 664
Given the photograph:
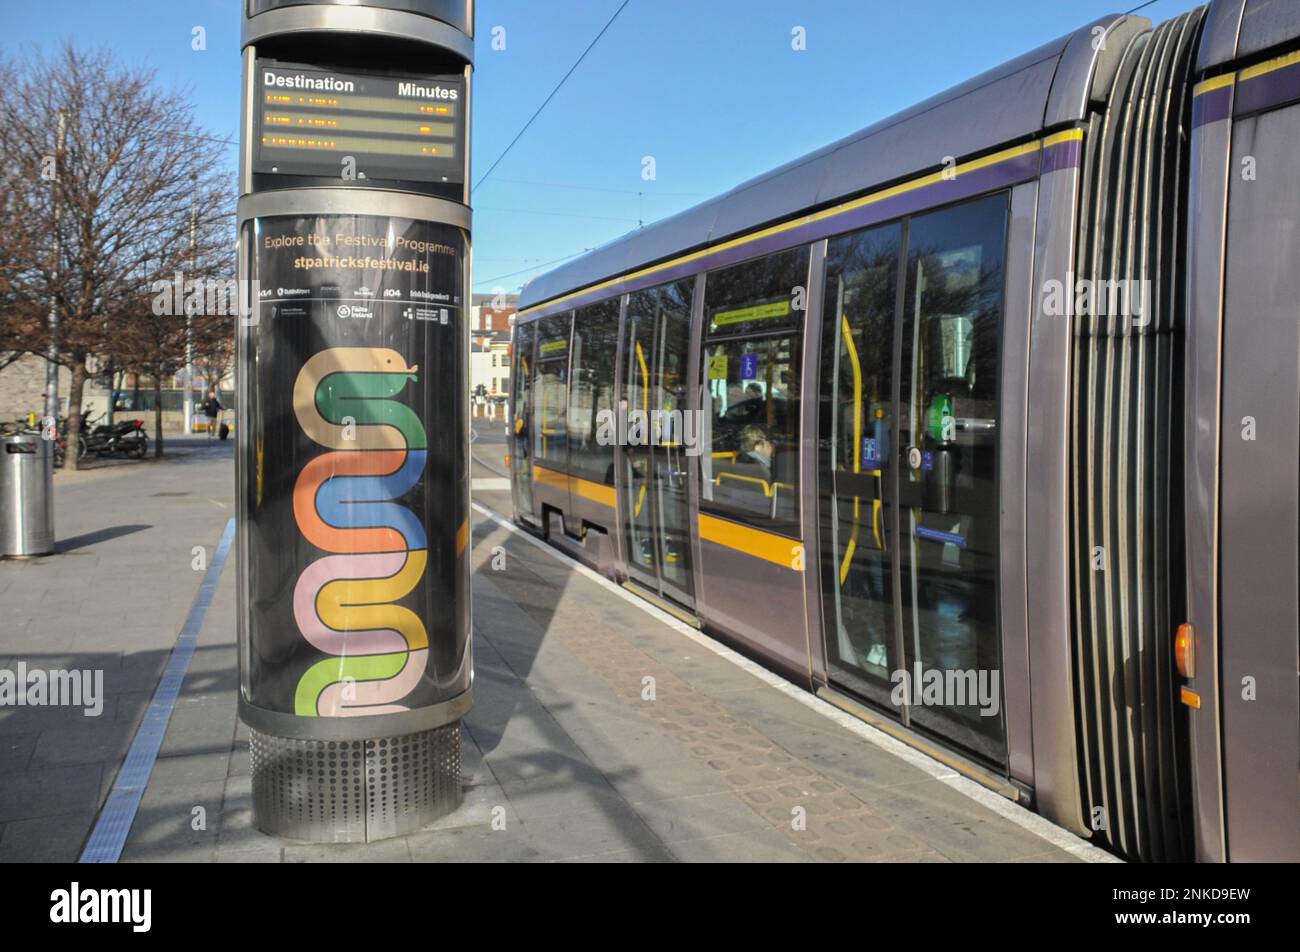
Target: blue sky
710 88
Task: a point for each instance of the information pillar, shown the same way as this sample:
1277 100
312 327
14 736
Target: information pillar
353 428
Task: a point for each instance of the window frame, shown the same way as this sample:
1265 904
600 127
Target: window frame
794 331
577 366
953 731
547 462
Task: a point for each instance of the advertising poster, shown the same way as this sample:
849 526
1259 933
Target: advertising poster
354 476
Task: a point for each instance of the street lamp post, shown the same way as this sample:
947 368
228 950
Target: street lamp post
52 352
188 403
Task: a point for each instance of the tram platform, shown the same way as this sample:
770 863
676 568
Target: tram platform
602 730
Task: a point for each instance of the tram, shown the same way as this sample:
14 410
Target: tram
982 423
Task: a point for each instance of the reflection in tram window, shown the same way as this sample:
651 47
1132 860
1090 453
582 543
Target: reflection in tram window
638 394
551 392
947 453
521 399
591 393
750 461
656 349
856 427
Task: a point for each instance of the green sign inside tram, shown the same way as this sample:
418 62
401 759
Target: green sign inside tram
757 312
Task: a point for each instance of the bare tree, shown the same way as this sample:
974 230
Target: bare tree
107 174
155 342
18 316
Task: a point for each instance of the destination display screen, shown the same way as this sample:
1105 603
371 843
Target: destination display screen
359 126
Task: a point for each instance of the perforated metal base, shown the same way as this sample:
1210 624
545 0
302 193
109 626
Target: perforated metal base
354 791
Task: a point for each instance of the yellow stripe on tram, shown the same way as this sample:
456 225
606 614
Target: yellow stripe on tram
1069 135
1268 66
764 545
1209 85
549 477
596 492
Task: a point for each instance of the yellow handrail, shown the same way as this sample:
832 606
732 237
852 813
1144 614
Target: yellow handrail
767 490
847 330
645 406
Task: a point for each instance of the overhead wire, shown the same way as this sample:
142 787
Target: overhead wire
547 100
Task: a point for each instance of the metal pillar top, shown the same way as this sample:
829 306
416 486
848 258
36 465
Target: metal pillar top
445 24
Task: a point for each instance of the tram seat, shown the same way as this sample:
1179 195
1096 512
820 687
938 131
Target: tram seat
785 464
785 501
742 485
785 477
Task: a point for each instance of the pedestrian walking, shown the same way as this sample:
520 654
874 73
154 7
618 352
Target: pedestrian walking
212 409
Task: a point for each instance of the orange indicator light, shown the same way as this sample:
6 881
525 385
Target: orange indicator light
1185 650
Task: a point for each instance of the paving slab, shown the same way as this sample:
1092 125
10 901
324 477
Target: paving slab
599 733
110 600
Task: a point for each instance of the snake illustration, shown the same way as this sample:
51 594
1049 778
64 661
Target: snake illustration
346 604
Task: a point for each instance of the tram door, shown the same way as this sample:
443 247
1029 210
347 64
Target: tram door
521 392
907 457
856 490
549 413
656 346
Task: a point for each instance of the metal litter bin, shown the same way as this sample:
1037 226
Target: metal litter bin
26 496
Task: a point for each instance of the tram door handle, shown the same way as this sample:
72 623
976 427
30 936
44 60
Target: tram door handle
674 478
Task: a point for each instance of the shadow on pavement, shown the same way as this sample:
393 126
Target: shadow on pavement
99 535
56 763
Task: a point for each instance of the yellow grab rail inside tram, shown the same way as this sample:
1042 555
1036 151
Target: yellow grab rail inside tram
645 408
847 330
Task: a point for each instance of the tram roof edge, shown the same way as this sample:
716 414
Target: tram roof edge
1045 87
1242 29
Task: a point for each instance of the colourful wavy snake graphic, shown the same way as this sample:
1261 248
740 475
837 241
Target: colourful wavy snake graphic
345 603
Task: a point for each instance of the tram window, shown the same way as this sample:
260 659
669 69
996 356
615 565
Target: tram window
859 304
750 460
520 436
948 418
522 381
591 393
550 392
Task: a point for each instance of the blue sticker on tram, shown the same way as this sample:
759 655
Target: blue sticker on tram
870 453
936 535
749 366
927 460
